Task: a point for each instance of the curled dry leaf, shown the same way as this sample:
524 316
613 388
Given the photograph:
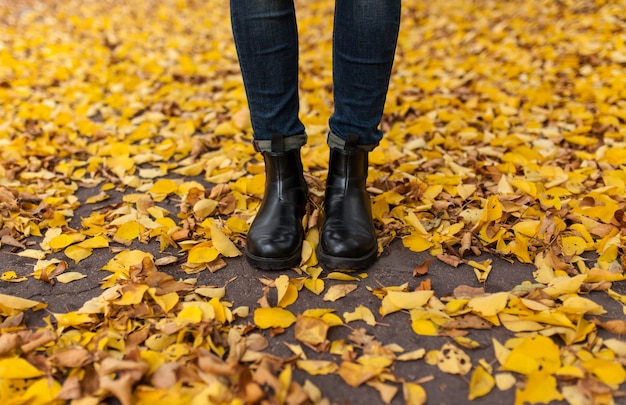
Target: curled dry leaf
422 269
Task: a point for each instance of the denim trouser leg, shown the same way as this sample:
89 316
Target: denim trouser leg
364 41
364 44
266 39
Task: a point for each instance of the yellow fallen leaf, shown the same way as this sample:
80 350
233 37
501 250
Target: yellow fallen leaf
534 354
570 372
102 196
133 294
287 293
221 242
317 367
417 242
341 276
332 319
409 300
32 254
576 395
338 291
317 312
608 371
77 253
616 345
575 304
297 350
237 225
412 355
424 327
163 186
387 391
564 285
64 240
397 300
307 255
489 305
70 276
42 391
505 381
540 388
573 245
516 324
220 313
414 394
500 351
452 360
73 319
189 315
492 210
466 342
355 374
11 276
360 313
129 231
375 361
166 301
315 285
10 305
94 243
265 318
211 292
481 383
596 275
310 331
17 368
202 254
482 269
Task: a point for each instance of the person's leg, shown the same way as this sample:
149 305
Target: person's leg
364 44
365 37
266 39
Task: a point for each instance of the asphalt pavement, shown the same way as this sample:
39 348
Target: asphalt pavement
394 267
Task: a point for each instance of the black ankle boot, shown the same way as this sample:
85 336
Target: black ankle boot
275 237
348 239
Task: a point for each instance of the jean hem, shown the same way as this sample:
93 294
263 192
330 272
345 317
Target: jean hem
334 141
288 143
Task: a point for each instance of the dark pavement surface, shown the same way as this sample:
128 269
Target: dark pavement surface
394 267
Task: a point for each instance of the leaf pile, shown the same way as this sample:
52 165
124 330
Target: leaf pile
505 134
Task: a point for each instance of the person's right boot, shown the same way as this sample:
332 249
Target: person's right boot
275 237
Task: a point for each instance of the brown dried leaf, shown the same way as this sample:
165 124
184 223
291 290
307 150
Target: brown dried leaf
73 358
468 321
422 269
465 291
453 261
616 326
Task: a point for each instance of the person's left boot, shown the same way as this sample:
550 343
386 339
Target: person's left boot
348 237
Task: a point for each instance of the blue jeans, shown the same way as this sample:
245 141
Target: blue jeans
364 42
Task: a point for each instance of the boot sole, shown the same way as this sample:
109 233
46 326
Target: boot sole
274 263
347 263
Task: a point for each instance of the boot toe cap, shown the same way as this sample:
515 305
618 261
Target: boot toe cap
273 247
348 246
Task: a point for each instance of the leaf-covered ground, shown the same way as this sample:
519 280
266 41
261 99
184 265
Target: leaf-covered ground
124 134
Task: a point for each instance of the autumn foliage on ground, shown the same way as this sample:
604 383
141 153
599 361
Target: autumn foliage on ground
505 134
